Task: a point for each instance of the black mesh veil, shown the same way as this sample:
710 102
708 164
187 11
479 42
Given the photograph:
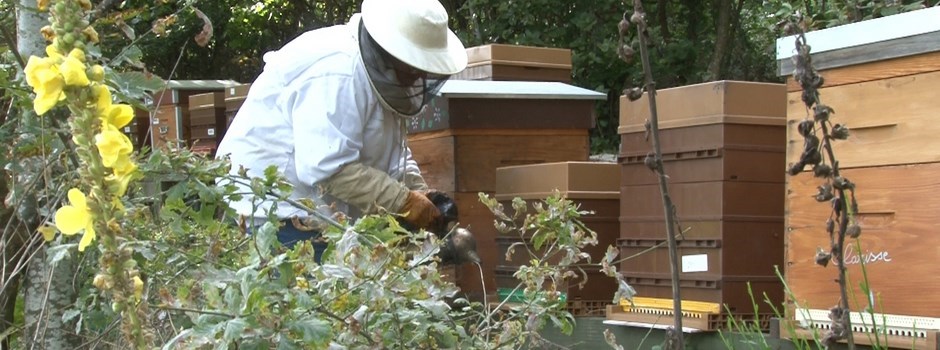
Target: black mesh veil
407 98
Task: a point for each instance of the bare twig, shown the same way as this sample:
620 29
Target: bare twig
675 338
842 221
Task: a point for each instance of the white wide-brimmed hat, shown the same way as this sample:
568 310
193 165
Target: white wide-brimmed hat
416 33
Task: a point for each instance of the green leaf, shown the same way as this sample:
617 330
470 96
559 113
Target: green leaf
311 330
58 252
538 239
287 343
234 329
134 86
265 238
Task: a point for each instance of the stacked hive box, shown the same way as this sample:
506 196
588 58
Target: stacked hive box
593 187
884 88
723 151
170 118
138 130
474 127
234 97
207 121
517 63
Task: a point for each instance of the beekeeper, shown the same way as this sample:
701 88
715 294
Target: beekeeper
329 111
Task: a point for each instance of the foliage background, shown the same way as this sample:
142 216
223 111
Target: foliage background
695 40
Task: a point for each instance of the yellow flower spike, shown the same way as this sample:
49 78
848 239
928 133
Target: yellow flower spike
120 115
73 71
42 4
91 34
47 33
112 145
71 219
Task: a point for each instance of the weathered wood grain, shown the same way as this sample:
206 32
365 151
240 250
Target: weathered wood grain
898 210
895 67
892 121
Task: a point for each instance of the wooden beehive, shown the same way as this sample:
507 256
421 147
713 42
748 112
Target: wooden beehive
170 117
592 186
474 127
880 83
723 151
517 63
206 121
234 98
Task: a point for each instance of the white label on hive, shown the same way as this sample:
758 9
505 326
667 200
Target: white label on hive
211 132
695 263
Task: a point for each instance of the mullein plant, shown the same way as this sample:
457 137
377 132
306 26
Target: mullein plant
66 76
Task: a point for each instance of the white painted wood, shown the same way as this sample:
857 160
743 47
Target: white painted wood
865 32
517 89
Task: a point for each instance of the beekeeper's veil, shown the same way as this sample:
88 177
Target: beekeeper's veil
408 51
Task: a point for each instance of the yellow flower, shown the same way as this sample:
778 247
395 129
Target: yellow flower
73 218
91 34
138 287
113 146
73 70
43 75
47 33
102 98
119 115
42 4
85 4
117 182
124 166
96 73
48 232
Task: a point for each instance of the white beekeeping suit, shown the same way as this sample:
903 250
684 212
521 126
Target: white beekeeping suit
328 110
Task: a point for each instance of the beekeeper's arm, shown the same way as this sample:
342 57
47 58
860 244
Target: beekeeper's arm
328 119
412 178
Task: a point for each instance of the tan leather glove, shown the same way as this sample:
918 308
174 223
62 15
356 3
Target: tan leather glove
419 211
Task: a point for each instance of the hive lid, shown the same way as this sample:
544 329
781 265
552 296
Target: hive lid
894 36
516 90
519 55
575 180
200 84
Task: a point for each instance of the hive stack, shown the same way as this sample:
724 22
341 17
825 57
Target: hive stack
474 127
723 146
884 90
593 187
502 62
206 122
170 119
234 98
138 130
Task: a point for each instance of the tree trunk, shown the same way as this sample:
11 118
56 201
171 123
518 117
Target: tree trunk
722 37
662 14
48 289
